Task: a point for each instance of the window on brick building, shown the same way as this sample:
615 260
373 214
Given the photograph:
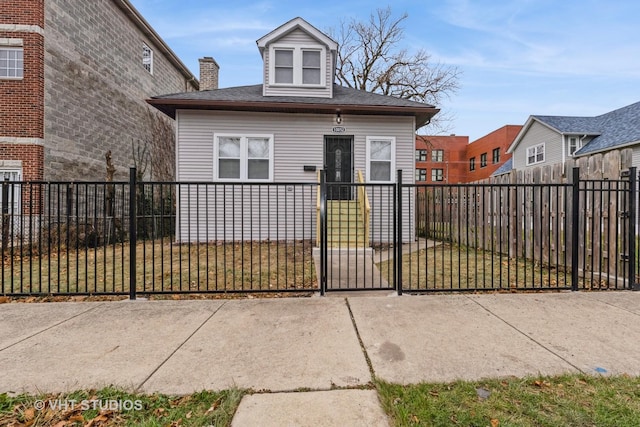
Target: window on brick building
147 58
421 174
421 155
472 164
437 175
483 160
14 189
496 155
437 155
11 63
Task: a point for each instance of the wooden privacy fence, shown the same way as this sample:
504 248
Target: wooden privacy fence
531 214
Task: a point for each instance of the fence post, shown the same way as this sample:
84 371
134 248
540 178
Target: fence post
575 227
397 230
323 233
632 229
5 214
133 238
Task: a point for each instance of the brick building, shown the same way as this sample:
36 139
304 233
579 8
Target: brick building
486 154
441 159
74 77
452 159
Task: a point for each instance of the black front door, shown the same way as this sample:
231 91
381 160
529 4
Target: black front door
338 157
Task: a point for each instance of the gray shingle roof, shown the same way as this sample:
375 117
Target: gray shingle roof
341 96
504 168
613 129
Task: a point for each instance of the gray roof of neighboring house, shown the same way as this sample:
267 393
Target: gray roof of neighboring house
504 168
614 129
251 98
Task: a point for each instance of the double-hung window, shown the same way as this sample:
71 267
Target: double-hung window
437 175
11 62
496 155
421 174
535 154
244 157
483 160
421 155
297 66
380 158
437 155
574 145
472 164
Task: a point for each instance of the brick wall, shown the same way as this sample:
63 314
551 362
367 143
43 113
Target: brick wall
453 165
22 106
23 12
95 91
499 139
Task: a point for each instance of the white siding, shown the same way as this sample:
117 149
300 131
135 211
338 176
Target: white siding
538 134
298 141
293 39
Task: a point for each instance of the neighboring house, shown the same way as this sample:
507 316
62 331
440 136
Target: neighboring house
441 159
453 160
297 121
74 76
554 139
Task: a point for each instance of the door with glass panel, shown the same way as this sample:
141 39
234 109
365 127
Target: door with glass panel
338 160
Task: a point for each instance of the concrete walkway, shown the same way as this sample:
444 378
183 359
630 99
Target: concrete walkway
278 347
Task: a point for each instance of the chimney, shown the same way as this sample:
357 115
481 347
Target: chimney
208 73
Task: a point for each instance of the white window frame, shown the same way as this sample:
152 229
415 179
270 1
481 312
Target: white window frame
297 65
147 60
578 145
437 155
16 197
392 169
535 151
15 61
244 156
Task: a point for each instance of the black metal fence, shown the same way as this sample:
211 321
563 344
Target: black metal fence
144 238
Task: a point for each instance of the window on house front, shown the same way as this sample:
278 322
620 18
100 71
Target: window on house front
11 63
496 155
483 160
535 154
380 158
574 145
421 174
472 164
311 67
421 155
284 66
244 157
437 175
147 58
437 155
298 66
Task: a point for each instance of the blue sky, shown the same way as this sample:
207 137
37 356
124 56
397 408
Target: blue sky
517 57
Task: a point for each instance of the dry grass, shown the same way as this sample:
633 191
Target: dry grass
163 266
449 267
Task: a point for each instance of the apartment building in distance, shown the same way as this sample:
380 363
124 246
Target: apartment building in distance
453 160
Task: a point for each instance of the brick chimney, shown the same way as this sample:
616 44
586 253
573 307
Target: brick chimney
208 73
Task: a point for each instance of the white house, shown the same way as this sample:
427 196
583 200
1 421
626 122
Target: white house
293 124
554 139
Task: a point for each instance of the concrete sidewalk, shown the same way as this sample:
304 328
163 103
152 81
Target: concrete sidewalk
278 347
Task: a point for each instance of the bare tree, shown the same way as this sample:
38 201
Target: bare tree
370 58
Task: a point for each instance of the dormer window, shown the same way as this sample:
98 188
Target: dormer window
297 66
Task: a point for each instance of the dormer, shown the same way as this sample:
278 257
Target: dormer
299 60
